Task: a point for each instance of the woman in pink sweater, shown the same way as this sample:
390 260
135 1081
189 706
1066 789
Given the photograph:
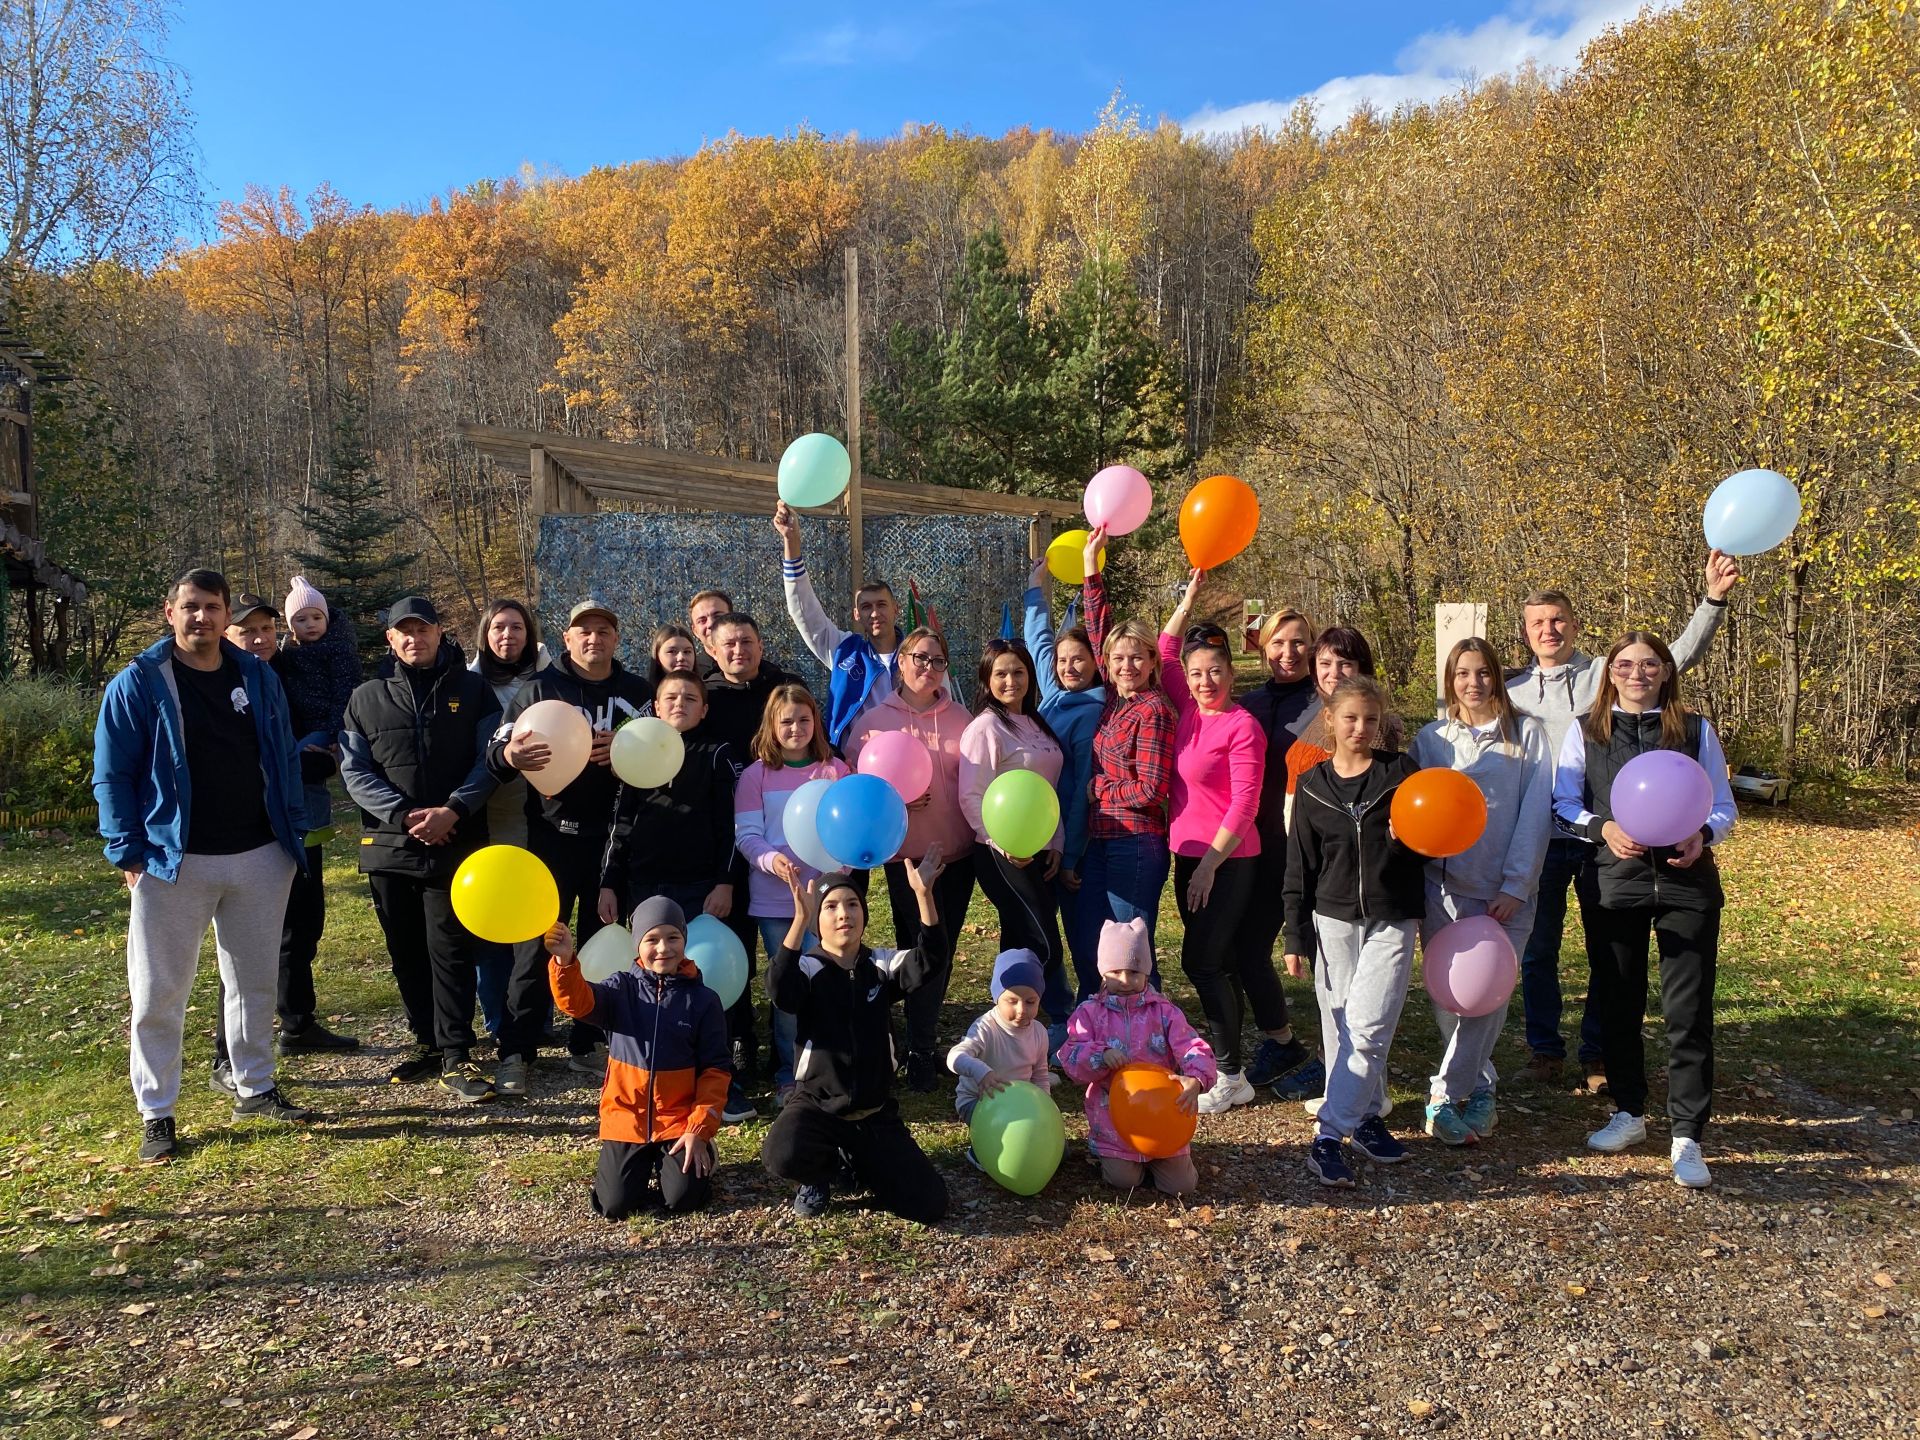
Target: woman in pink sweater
921 706
1007 733
1219 761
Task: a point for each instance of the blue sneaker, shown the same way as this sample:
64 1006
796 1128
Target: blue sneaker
1305 1081
1446 1124
1479 1112
1056 1037
811 1201
1274 1059
1328 1164
1374 1141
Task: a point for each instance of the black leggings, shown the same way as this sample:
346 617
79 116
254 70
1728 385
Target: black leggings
1253 942
1029 911
952 894
574 861
620 1180
1689 944
1209 953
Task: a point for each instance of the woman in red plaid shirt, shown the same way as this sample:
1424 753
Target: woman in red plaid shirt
1126 863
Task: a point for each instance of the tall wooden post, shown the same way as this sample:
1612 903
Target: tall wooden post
856 538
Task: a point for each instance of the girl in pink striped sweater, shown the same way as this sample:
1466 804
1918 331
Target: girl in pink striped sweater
789 750
1219 761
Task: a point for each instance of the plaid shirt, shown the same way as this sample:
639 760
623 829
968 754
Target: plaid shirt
1132 779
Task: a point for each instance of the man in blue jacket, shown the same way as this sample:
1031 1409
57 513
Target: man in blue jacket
200 807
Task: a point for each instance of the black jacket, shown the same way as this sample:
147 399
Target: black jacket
680 833
584 807
1285 713
845 1061
734 711
404 746
1344 862
1646 880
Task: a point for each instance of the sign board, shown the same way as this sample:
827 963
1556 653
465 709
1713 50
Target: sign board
1451 625
1252 612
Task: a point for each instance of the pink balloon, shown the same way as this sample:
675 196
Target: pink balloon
1661 796
900 760
1119 498
1470 967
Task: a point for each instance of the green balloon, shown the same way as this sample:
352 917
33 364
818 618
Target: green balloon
1018 1137
1021 812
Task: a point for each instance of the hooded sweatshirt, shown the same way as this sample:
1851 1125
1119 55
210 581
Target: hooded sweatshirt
1073 716
845 1062
1342 857
585 806
1149 1028
940 821
1516 777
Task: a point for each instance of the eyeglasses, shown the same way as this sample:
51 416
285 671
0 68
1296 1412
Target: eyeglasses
1638 667
926 660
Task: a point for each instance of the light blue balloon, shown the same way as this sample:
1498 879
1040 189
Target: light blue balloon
1750 513
720 955
798 824
862 821
814 470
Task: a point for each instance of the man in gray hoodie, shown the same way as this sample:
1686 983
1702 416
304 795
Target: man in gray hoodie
1558 690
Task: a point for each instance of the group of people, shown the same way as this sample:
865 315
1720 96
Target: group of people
1269 812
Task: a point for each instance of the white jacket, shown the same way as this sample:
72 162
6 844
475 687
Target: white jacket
1517 779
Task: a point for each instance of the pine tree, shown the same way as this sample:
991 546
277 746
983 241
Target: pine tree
356 559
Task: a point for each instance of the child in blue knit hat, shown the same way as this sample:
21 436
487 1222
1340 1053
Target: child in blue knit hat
1003 1045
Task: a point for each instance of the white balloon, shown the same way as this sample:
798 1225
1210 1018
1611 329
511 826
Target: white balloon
647 752
567 735
610 951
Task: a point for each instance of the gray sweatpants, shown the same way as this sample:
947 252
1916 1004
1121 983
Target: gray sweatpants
1360 980
244 896
1466 1057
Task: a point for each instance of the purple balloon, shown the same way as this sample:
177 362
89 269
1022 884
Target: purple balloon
1470 967
1661 797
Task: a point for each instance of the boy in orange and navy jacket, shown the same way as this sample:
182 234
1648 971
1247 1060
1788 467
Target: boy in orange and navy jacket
668 1067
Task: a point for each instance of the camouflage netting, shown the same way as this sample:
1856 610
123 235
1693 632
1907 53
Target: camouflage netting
646 567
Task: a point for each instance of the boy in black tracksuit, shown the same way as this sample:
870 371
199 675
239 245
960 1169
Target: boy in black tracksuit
843 1113
567 831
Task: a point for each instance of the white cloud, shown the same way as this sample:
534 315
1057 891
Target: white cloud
1548 33
850 44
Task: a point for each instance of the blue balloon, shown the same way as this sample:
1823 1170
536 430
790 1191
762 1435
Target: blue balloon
720 955
1750 513
862 821
814 470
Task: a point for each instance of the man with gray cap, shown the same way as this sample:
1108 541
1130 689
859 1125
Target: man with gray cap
413 757
567 830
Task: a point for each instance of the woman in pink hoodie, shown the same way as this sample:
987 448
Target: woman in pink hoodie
922 707
1129 1022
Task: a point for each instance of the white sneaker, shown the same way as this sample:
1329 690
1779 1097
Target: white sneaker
593 1063
1618 1133
1688 1168
510 1078
1229 1090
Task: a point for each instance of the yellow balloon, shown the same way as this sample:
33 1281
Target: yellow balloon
505 894
1067 557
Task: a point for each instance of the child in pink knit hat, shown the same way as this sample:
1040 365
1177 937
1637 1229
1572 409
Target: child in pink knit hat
1129 1021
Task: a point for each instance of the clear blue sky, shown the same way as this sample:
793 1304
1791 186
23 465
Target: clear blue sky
397 101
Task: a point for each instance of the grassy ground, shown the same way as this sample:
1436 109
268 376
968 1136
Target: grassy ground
409 1266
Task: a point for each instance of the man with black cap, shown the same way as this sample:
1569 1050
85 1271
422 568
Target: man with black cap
567 830
413 757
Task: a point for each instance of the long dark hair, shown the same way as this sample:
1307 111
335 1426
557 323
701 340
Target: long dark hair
493 669
1673 711
1502 702
671 630
1029 702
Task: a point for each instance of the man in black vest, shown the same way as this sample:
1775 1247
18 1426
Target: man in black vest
413 757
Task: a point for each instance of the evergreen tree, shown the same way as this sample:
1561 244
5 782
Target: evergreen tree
356 558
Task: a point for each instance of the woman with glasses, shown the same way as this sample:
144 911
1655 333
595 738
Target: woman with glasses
1671 892
922 705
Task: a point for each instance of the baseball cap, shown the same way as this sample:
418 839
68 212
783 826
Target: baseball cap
244 604
414 607
591 607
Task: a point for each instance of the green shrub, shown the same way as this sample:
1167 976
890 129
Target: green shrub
46 746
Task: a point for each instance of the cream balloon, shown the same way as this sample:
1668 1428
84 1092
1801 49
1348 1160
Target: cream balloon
568 738
610 951
647 752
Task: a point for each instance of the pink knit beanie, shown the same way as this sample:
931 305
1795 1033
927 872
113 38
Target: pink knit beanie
1124 946
302 596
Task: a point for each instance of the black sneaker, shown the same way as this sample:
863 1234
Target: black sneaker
418 1064
314 1036
221 1080
849 1178
1328 1164
923 1073
157 1142
1272 1060
465 1082
1376 1142
809 1201
1303 1082
738 1106
270 1105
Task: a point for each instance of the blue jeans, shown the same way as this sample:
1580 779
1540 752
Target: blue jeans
773 931
1119 879
493 967
1540 963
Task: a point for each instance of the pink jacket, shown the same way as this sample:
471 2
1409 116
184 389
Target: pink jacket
992 744
1149 1027
759 830
939 729
1219 764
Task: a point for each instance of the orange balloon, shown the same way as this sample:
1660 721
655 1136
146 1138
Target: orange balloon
1218 520
1145 1103
1438 812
